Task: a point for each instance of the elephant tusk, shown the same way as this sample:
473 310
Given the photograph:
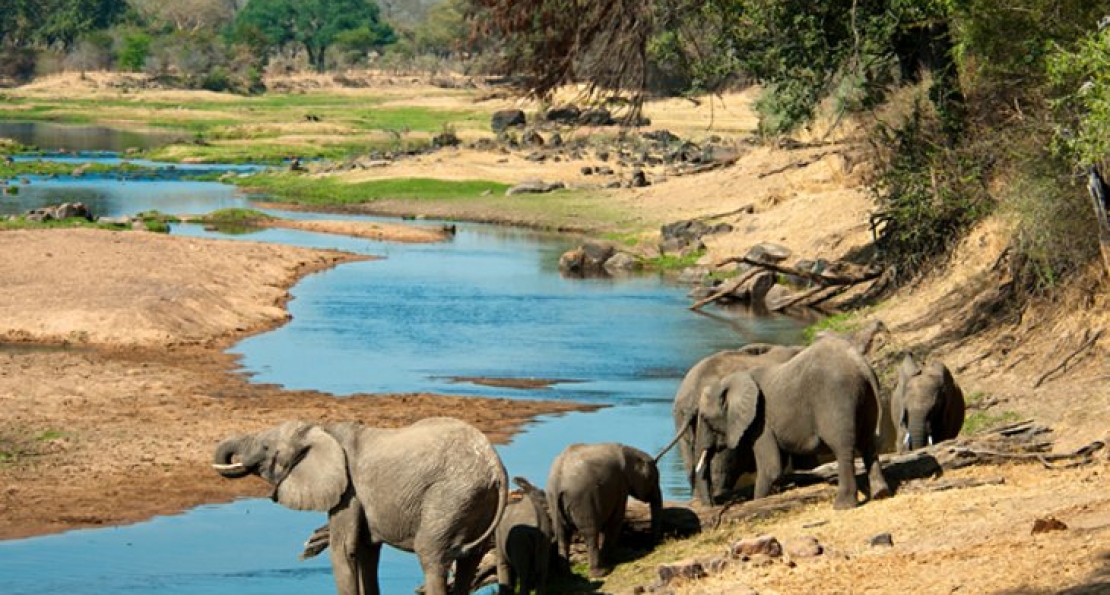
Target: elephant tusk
701 462
232 467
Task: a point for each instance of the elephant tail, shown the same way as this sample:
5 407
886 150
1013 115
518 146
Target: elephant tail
677 436
502 478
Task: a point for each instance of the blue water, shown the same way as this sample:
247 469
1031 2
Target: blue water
488 303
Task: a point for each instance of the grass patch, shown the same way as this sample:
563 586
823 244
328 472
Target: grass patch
330 191
978 421
50 435
670 262
240 216
843 323
21 222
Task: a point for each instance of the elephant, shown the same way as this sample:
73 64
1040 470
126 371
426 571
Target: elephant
825 398
436 488
725 468
588 489
927 404
524 542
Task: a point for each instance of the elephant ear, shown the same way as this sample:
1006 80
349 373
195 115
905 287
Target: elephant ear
318 477
908 369
743 403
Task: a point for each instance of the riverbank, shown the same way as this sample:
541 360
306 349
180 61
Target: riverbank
808 197
115 385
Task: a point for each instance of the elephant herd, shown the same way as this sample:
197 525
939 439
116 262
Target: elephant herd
439 489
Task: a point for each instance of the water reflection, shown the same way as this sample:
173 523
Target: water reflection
58 137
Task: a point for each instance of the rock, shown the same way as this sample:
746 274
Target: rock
693 275
534 187
446 139
777 297
805 546
531 137
882 540
762 545
598 116
604 170
586 260
566 114
639 179
1048 524
587 170
661 136
66 210
754 290
509 118
768 252
689 569
621 262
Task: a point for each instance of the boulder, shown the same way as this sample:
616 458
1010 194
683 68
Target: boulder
504 119
534 187
566 114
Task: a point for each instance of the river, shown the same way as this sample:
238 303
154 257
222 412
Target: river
491 302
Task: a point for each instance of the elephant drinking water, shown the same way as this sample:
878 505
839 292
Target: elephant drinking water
436 488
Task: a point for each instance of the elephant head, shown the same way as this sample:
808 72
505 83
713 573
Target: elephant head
711 468
726 412
927 404
305 464
642 475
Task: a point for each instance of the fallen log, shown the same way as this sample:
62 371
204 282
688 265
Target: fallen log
1088 342
726 289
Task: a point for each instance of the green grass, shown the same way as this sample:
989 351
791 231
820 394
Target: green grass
50 435
838 323
347 124
978 421
670 262
286 187
23 223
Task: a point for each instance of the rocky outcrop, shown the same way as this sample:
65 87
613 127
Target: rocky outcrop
596 259
66 210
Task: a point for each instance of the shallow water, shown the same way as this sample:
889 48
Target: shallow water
489 303
47 136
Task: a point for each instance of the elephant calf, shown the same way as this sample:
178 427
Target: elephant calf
524 537
588 489
927 405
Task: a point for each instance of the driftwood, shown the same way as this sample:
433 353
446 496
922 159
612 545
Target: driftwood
726 289
746 209
824 281
1088 342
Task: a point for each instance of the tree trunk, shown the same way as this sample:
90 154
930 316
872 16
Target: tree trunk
1100 198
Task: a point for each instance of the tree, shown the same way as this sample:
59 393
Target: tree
314 24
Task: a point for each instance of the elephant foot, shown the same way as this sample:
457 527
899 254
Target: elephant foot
600 572
845 503
882 493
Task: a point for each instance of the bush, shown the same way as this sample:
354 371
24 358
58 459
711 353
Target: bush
134 51
929 189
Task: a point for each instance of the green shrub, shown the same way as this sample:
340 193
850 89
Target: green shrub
133 54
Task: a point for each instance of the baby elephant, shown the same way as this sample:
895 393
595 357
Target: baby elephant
588 489
927 405
524 538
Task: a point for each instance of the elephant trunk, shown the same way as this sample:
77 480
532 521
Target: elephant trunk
918 430
228 450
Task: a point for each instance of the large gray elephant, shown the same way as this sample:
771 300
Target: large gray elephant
726 465
436 488
524 542
588 489
825 398
927 404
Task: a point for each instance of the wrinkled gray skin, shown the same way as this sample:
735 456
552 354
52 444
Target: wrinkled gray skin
588 489
436 488
927 404
725 466
524 540
825 398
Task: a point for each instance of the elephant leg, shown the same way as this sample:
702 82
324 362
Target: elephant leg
876 482
466 568
610 534
846 492
592 537
504 573
768 463
435 574
354 558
